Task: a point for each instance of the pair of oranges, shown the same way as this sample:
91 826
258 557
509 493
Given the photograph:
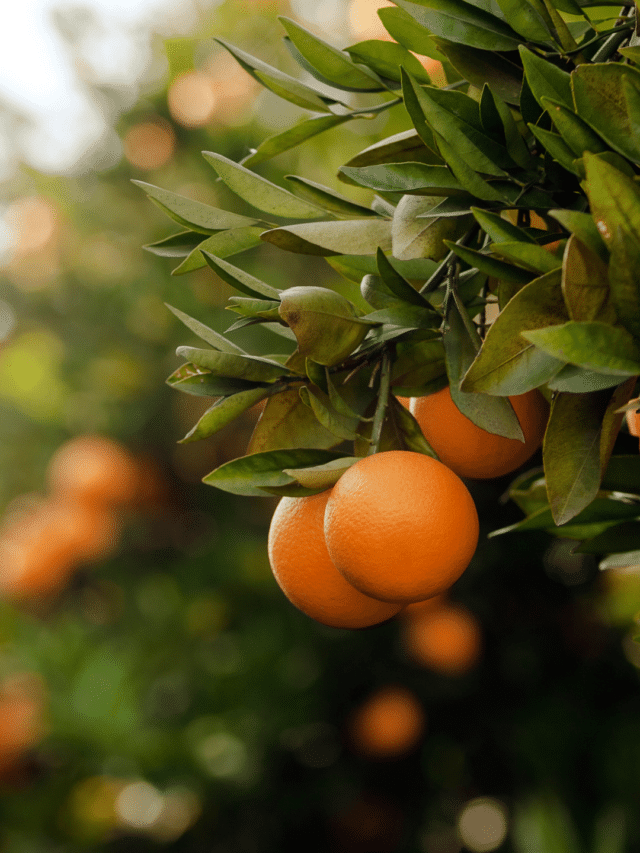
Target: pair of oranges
398 527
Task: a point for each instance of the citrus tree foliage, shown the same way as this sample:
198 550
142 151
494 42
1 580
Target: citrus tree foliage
515 185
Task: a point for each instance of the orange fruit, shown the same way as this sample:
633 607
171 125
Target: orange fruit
406 401
410 610
445 639
633 422
400 526
389 723
93 469
304 571
471 451
21 715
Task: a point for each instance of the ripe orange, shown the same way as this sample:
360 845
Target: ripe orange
93 469
445 639
21 715
389 723
400 526
406 401
633 422
304 571
471 451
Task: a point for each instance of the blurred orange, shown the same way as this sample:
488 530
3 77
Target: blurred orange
93 469
364 22
149 144
389 723
446 638
418 607
40 550
633 422
22 724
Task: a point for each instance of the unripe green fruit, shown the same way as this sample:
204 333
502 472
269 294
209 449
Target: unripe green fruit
325 324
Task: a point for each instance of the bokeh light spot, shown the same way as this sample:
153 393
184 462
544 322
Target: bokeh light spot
482 824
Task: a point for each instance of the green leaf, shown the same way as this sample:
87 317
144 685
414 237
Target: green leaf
322 477
467 176
618 539
516 146
622 474
223 412
249 475
279 83
406 146
329 199
265 309
233 366
461 345
239 279
286 423
333 64
259 192
545 79
214 339
490 265
585 284
614 199
292 137
556 146
319 402
461 22
406 178
575 132
405 316
571 452
480 67
354 267
397 285
593 346
222 244
202 383
583 226
528 255
526 21
508 364
407 32
416 366
416 234
600 100
407 429
386 57
499 229
349 237
602 509
194 214
577 380
623 272
176 246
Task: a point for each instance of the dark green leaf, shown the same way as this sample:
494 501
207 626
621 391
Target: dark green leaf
585 284
505 126
406 146
407 32
575 132
293 136
329 199
223 412
490 265
468 177
398 286
223 244
508 364
624 272
525 20
557 147
622 474
406 178
202 383
353 267
336 423
499 229
546 79
194 214
528 255
286 423
615 540
593 346
461 22
249 474
239 279
322 477
614 199
484 66
386 57
417 364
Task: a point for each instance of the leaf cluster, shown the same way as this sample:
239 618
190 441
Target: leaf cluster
513 190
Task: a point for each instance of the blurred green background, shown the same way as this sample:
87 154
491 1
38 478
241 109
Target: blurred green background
157 690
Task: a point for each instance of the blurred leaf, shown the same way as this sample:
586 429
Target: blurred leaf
322 477
600 510
348 237
543 823
248 475
328 199
176 246
259 192
223 412
546 80
292 137
286 423
194 214
507 363
615 540
622 474
281 84
593 346
406 178
461 22
239 279
386 57
232 366
480 67
223 244
584 228
214 339
598 94
461 345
